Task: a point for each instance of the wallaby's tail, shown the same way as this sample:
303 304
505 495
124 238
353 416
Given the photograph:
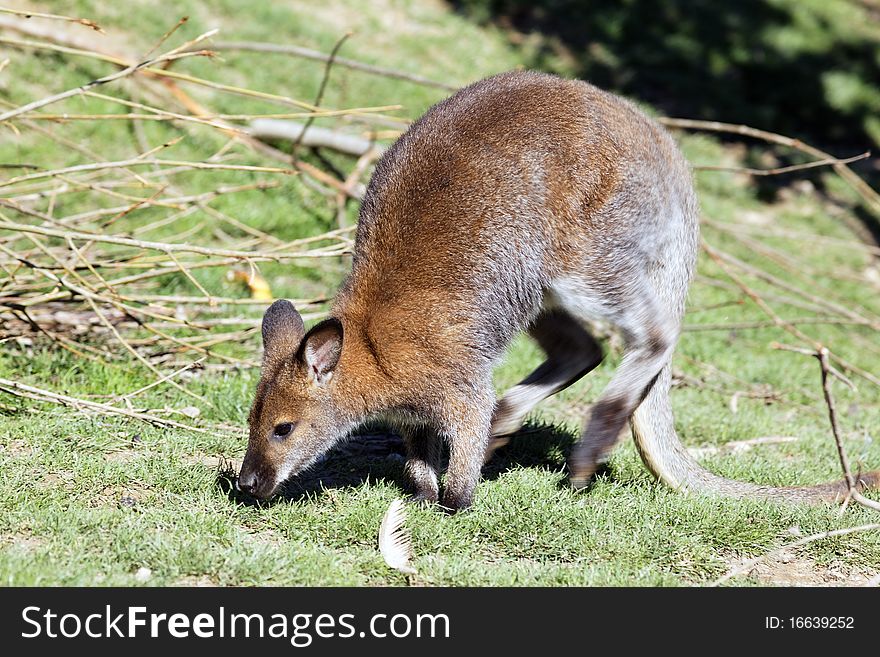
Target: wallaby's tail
669 461
652 423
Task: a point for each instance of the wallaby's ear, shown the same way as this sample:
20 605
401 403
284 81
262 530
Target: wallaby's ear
321 349
282 330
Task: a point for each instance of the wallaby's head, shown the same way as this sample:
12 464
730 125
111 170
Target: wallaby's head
293 419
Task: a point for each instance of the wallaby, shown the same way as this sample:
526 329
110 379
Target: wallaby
523 202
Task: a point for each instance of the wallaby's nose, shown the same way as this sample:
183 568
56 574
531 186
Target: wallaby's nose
246 482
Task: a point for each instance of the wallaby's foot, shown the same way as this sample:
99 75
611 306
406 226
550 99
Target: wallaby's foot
582 470
589 457
423 498
423 456
456 501
510 413
467 433
583 475
461 481
422 483
495 443
607 420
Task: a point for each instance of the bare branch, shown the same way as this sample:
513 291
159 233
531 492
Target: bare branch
308 53
35 14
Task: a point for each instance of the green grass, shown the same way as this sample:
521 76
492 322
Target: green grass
89 500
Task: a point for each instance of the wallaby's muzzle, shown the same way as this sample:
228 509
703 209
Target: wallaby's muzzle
256 478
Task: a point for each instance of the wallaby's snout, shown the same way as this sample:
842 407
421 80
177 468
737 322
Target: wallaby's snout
257 477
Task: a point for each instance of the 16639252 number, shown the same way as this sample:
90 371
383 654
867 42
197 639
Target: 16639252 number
821 622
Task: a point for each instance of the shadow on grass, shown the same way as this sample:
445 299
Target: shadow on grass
381 455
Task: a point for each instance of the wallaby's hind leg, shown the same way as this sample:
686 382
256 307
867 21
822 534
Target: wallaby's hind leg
422 462
571 353
649 333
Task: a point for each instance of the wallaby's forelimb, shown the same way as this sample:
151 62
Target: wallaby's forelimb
467 432
423 462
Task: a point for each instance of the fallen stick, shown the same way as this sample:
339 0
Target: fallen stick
138 161
194 365
721 258
851 482
169 76
313 137
328 67
133 68
777 171
169 247
38 394
70 19
52 33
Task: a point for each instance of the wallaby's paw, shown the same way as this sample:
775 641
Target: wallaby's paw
421 482
592 451
581 479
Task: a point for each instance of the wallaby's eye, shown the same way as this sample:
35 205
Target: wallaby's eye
282 430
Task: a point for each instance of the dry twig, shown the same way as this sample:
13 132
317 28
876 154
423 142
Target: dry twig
308 53
746 566
30 392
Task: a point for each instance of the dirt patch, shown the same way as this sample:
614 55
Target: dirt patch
58 479
196 581
19 449
20 542
789 569
122 456
267 536
129 496
212 462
